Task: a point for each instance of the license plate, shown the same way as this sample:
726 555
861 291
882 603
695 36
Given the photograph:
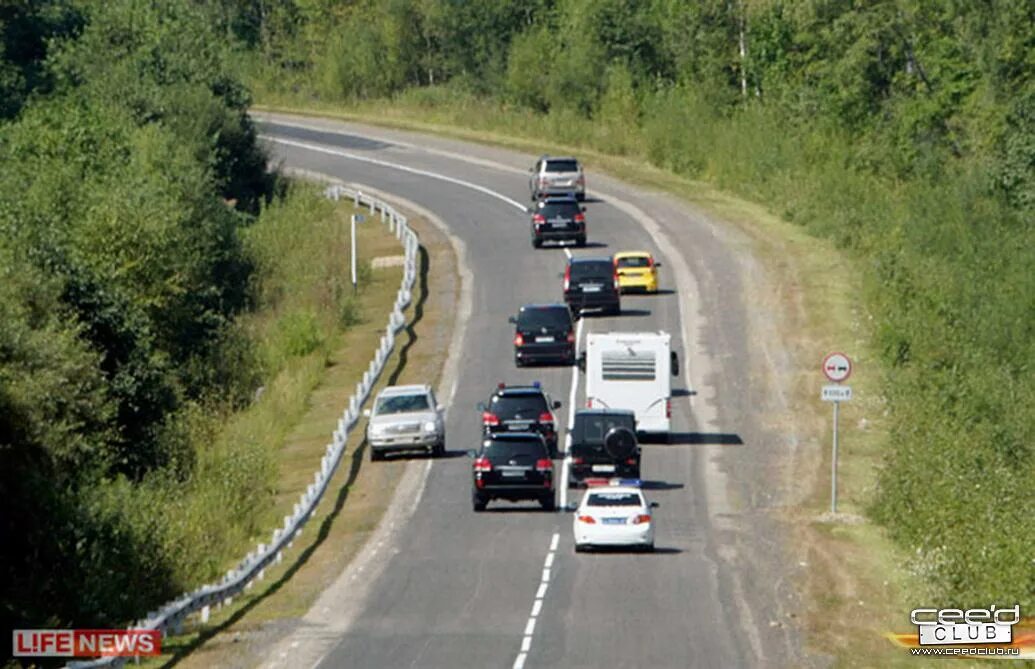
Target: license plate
614 521
513 475
603 468
591 289
543 340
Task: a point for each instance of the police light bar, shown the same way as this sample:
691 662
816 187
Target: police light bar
501 385
535 384
601 482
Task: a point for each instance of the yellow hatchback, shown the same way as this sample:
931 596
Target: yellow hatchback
637 271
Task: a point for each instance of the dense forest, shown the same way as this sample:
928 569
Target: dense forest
149 285
139 229
903 130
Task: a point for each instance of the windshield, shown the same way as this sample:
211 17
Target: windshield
402 404
545 317
562 166
561 209
596 268
634 261
592 428
524 452
613 499
520 407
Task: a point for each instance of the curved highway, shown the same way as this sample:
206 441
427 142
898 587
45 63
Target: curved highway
504 588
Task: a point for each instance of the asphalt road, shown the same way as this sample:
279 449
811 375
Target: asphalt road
504 588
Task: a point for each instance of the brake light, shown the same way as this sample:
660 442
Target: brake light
650 261
567 277
544 465
616 280
546 417
489 418
580 218
640 519
519 339
577 461
571 337
589 403
482 464
631 461
587 519
668 408
539 219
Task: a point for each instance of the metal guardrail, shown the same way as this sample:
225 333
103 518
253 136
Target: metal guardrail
169 618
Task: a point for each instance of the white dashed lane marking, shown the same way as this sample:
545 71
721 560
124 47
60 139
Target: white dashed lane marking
537 605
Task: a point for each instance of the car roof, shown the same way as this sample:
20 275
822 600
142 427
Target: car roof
588 259
615 488
545 305
547 157
414 389
632 254
602 411
513 436
558 199
519 390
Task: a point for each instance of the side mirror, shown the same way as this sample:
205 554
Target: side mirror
440 408
654 505
472 453
367 412
583 209
657 264
480 406
556 404
582 362
674 362
512 319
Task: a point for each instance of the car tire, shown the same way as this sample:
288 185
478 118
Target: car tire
376 455
478 503
581 197
580 548
518 362
537 243
580 242
548 503
648 548
439 449
615 310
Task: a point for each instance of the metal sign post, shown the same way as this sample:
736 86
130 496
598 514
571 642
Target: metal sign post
837 367
356 218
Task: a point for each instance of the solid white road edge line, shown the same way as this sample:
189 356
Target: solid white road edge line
566 463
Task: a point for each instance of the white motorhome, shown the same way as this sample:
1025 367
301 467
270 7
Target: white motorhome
632 370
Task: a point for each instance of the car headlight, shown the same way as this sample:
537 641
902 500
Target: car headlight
429 426
376 430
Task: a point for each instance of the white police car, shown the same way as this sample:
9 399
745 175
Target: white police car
614 512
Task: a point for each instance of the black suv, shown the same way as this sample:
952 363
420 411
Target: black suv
603 443
591 283
521 409
558 219
544 333
512 466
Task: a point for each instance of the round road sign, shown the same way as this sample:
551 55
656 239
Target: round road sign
837 367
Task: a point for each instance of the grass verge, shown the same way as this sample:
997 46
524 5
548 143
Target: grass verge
240 634
856 582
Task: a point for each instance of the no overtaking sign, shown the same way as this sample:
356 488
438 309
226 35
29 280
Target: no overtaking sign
837 367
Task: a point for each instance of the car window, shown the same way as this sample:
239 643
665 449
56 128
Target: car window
562 166
592 428
402 404
518 407
634 261
602 268
524 452
544 317
613 499
564 209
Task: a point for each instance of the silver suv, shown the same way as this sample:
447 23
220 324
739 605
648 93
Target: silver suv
554 175
405 418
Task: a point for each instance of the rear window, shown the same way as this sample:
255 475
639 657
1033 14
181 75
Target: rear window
524 452
548 317
592 428
602 268
402 404
613 499
634 261
562 166
520 407
562 209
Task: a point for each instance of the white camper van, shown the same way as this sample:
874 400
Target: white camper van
632 370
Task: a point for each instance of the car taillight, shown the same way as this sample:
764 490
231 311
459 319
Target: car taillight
539 219
571 337
482 464
668 408
589 403
519 339
567 277
544 465
577 461
580 218
546 417
631 461
587 519
640 519
489 418
616 280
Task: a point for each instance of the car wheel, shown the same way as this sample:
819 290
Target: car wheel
648 548
518 362
376 455
615 310
439 449
580 548
547 502
580 241
537 243
478 503
581 197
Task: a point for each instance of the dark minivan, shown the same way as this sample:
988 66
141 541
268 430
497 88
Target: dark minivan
603 444
558 219
512 466
544 333
591 283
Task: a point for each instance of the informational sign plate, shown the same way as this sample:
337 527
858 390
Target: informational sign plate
836 393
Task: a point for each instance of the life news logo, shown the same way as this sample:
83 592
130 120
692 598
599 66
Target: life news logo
87 643
956 627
